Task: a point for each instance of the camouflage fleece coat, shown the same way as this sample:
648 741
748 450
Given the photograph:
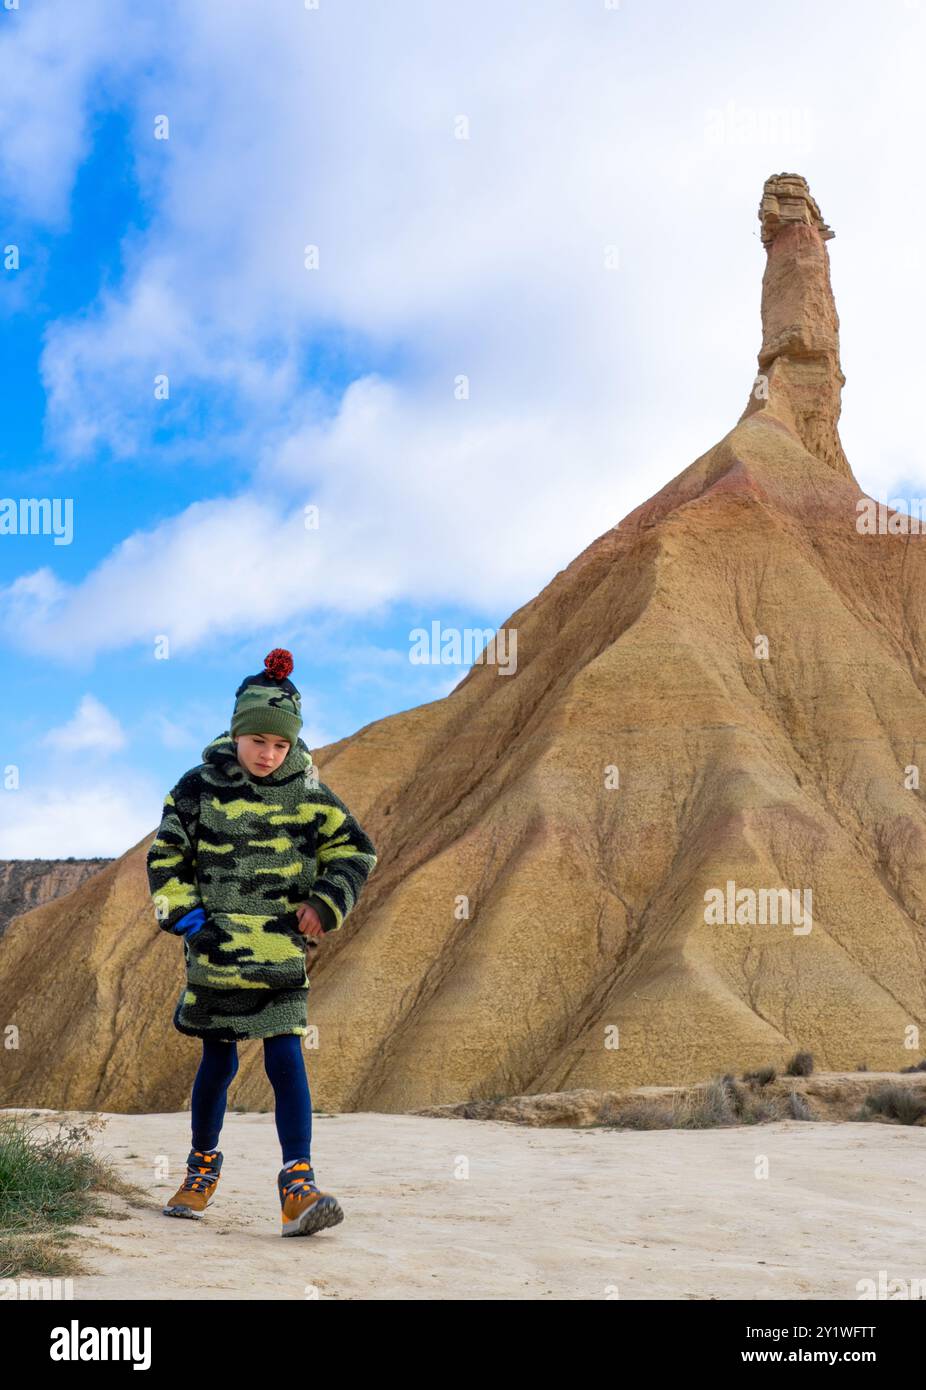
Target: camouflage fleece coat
233 857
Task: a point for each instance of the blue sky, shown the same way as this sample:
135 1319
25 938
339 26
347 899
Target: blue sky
463 173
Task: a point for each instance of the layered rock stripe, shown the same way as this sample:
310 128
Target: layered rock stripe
247 852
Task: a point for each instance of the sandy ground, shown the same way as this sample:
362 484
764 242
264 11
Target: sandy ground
536 1213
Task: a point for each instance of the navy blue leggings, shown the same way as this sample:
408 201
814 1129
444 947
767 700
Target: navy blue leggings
284 1066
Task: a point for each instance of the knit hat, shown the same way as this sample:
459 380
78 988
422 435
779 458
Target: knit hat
268 703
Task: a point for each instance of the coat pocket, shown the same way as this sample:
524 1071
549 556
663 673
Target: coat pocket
241 950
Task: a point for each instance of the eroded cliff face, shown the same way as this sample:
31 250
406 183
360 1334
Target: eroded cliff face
27 883
728 688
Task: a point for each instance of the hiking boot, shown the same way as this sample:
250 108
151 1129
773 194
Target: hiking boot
196 1191
304 1208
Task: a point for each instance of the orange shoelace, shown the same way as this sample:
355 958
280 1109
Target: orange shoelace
301 1182
203 1177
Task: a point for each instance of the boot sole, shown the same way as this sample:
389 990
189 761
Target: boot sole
188 1212
325 1212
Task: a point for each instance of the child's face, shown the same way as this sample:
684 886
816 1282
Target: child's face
261 753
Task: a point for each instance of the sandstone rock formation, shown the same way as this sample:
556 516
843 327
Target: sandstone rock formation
799 357
729 687
26 883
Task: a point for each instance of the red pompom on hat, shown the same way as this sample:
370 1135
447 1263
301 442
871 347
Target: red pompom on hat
278 663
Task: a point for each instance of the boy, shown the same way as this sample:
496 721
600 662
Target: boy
254 860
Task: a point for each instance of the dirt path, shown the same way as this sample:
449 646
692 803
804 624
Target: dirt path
543 1213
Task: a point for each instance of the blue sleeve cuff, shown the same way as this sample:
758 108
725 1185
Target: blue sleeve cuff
191 923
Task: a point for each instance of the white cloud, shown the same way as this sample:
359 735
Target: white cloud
58 62
483 257
406 527
92 728
83 818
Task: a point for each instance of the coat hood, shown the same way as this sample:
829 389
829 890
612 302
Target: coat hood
222 755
